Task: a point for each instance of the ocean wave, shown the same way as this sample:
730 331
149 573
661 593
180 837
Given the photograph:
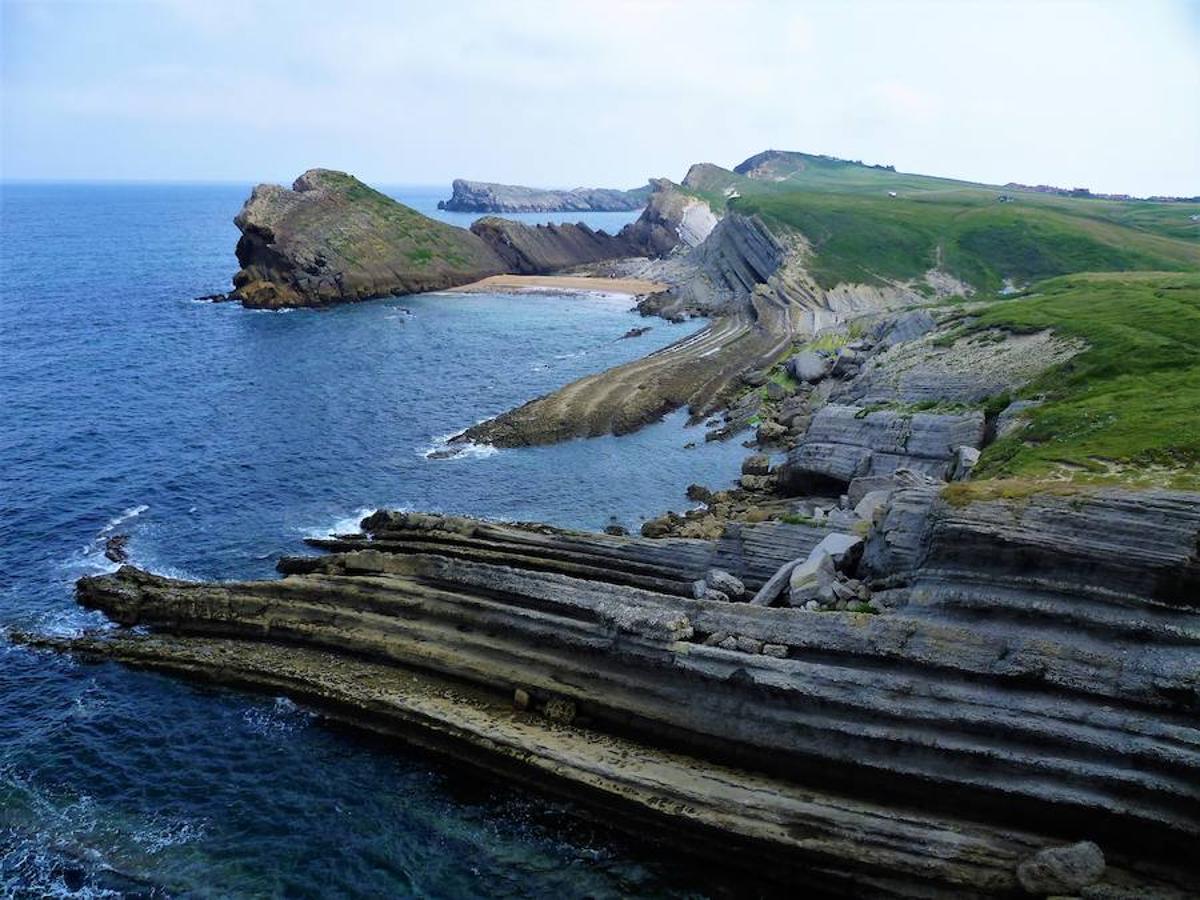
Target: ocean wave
281 717
445 447
344 525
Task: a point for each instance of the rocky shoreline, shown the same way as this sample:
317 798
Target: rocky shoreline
1022 682
856 671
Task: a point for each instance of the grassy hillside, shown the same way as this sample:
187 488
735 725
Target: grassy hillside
860 233
1128 407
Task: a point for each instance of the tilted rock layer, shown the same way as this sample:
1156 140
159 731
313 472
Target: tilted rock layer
1031 683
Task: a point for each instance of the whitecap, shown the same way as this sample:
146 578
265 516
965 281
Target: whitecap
445 447
281 717
344 525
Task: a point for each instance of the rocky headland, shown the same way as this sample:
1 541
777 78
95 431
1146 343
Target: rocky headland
488 197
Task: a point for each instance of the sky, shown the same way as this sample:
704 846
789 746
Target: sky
561 94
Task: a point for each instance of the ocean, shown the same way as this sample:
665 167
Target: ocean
216 439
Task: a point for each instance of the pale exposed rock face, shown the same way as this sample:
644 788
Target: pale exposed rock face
921 368
331 239
1030 679
671 219
488 197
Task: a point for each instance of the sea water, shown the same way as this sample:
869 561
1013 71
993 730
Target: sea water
216 439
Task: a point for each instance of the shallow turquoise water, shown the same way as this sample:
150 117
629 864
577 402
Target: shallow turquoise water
217 438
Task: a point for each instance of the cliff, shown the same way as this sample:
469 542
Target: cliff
488 197
332 239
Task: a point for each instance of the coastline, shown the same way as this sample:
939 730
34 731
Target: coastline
581 283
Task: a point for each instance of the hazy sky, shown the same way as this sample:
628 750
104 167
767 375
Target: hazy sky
1099 94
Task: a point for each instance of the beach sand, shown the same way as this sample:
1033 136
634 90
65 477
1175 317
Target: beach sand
564 283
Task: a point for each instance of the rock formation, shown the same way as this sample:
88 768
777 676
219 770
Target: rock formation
487 197
1030 681
332 239
538 249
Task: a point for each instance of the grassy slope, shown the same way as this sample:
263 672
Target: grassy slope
1128 407
860 234
1118 274
376 226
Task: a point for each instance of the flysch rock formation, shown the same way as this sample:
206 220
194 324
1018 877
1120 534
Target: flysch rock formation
538 249
1019 707
489 197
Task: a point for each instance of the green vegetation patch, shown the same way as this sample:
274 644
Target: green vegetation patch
875 239
1128 407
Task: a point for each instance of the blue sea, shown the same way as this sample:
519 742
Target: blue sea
217 438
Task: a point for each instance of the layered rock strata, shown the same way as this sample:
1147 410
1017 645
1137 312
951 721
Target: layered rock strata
489 197
847 442
538 249
700 372
1032 682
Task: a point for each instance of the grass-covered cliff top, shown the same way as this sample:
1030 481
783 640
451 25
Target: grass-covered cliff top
1127 408
985 236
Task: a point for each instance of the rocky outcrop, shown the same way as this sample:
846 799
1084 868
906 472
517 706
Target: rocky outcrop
671 219
488 197
847 442
538 249
331 239
1031 682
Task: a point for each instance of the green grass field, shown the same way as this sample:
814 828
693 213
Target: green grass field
1128 407
859 233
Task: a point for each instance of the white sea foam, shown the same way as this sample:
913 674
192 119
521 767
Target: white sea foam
444 447
345 525
281 717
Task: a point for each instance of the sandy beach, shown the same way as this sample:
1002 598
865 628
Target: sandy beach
631 286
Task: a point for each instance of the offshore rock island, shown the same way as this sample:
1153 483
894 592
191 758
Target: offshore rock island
488 197
940 639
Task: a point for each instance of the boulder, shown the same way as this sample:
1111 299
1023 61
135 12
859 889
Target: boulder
871 506
758 464
909 326
1013 417
860 487
755 379
965 459
719 579
813 579
847 364
699 493
1062 870
843 549
657 528
777 391
808 365
770 431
